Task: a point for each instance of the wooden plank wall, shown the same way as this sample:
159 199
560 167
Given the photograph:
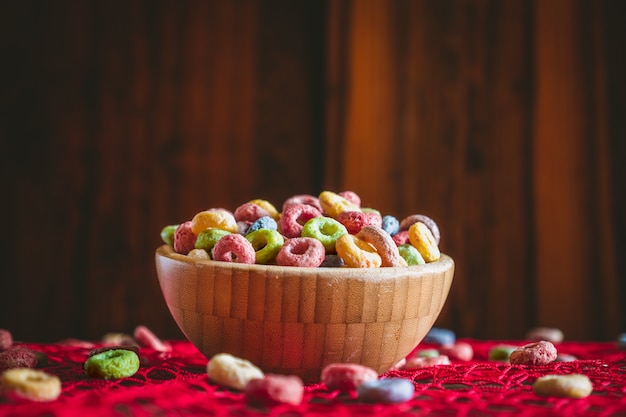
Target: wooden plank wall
502 120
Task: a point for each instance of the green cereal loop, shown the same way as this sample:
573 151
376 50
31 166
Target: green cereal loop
428 353
266 244
112 364
325 229
501 353
167 234
411 255
209 237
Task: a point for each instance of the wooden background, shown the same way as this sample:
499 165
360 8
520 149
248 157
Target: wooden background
503 120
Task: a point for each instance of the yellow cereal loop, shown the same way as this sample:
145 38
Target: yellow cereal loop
215 218
33 384
231 371
267 206
333 204
423 240
570 385
357 253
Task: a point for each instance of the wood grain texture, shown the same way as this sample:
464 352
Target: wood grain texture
502 120
375 328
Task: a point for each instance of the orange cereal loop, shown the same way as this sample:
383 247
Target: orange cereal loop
333 204
215 218
357 253
269 207
423 240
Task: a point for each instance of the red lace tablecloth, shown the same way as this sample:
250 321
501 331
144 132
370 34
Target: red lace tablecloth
176 384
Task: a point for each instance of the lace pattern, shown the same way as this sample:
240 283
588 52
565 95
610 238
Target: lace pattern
176 384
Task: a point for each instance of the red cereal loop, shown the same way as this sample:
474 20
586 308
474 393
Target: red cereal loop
234 248
346 376
537 353
401 238
462 351
6 339
424 362
275 389
184 238
17 357
250 212
301 251
293 218
354 221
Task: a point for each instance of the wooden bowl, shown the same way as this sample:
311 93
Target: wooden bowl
291 320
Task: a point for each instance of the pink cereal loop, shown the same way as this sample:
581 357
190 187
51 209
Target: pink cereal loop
145 337
234 248
301 251
352 197
384 245
293 218
311 200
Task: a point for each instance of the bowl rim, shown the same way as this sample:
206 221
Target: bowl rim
444 263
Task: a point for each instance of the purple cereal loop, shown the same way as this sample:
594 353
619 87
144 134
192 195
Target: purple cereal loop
430 223
384 245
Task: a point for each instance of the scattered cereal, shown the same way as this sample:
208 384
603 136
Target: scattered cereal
536 353
424 362
572 386
549 334
6 339
346 376
462 351
275 389
112 364
386 390
440 336
32 384
145 337
17 357
501 353
231 371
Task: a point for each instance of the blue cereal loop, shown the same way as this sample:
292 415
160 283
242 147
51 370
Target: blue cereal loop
439 336
386 390
391 224
265 222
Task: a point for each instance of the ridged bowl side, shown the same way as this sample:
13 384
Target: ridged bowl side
295 321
